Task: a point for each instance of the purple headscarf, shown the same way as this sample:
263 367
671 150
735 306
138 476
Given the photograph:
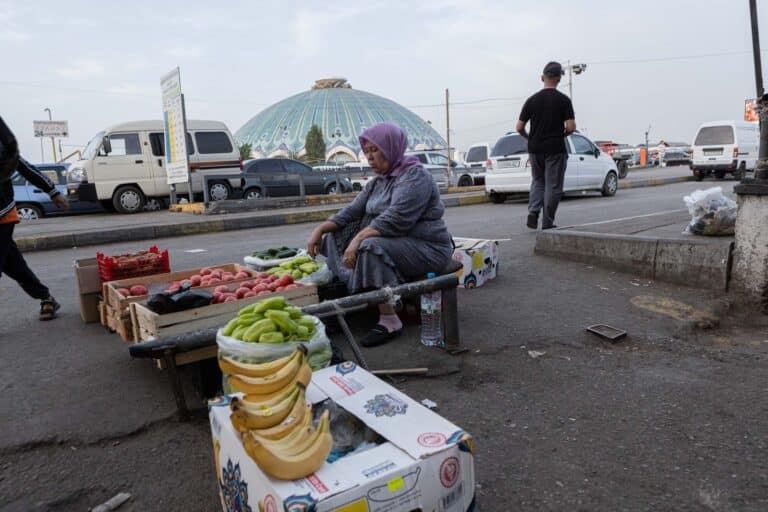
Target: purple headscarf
393 142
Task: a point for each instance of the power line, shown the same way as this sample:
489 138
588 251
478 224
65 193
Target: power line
669 59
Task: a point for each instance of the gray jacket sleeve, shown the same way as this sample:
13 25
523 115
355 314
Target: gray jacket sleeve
410 199
355 210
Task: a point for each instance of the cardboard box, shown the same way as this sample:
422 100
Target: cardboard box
480 259
88 288
425 463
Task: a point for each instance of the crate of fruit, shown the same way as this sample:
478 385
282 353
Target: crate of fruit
148 325
124 266
267 258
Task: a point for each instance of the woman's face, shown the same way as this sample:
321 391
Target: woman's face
376 158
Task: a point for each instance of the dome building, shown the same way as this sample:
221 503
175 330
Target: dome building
342 113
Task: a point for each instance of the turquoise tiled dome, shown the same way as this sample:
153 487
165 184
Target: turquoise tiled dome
341 112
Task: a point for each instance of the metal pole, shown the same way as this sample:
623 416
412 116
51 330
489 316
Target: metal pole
53 142
570 81
42 153
761 169
448 138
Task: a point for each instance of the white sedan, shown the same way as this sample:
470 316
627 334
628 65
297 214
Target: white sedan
588 168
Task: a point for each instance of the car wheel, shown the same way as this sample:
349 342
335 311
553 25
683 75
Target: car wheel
219 191
498 198
610 185
719 174
331 189
153 205
356 187
29 212
698 175
253 193
465 181
623 169
739 173
128 199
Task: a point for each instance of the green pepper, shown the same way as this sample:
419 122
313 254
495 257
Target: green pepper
294 312
302 332
230 327
301 259
309 267
270 303
282 319
247 310
287 265
296 274
253 332
308 322
238 332
247 319
272 337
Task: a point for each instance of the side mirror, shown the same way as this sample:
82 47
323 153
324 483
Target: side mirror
453 163
106 145
597 152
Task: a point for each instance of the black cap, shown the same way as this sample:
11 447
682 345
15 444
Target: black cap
553 69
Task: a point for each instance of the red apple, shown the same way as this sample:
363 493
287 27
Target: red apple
196 280
206 271
240 292
139 289
249 294
124 291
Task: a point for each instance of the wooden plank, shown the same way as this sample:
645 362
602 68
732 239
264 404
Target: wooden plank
102 313
152 325
197 355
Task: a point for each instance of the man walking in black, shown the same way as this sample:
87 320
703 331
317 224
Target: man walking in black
551 115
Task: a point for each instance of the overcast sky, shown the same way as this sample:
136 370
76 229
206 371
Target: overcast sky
668 64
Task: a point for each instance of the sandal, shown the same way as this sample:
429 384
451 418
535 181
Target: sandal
48 308
379 335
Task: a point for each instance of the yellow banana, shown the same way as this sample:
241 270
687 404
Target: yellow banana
230 366
300 443
271 383
268 416
300 417
290 467
256 395
277 397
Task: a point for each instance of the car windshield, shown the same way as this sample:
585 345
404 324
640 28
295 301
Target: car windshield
712 135
510 145
93 146
477 154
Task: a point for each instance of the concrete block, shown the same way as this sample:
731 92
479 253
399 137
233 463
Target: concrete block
701 264
750 257
633 254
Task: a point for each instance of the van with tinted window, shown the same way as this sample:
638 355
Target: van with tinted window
123 166
722 147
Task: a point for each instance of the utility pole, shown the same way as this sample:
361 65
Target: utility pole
570 81
448 137
761 169
53 140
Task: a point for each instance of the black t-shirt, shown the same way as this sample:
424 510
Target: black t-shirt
547 110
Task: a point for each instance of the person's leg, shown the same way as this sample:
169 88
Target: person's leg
536 195
555 177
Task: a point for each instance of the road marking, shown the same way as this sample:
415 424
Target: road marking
627 218
192 251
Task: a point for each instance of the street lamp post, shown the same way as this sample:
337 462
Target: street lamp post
53 140
575 69
761 169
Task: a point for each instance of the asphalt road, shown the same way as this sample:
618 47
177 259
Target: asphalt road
672 418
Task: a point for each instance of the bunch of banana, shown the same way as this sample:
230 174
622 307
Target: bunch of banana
296 455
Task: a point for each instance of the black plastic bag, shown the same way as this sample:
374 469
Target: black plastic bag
162 303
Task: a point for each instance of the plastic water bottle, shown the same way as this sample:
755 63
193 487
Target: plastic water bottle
431 321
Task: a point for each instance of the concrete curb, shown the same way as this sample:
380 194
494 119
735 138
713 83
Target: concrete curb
688 262
653 182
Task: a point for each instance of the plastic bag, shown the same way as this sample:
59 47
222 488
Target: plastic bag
319 277
259 264
712 214
318 348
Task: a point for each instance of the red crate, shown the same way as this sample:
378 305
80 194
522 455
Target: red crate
125 266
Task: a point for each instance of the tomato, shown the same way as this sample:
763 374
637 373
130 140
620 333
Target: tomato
240 292
206 271
196 280
266 292
249 294
230 299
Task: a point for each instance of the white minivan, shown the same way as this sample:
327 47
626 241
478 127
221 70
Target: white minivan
722 147
123 165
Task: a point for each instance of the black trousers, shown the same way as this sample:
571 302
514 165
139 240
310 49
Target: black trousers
548 173
13 265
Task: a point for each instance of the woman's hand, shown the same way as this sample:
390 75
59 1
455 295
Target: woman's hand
313 244
350 255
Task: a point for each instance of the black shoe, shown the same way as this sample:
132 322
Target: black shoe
533 220
549 227
48 308
379 335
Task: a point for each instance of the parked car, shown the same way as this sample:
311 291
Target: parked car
588 168
721 147
32 203
676 158
279 177
363 173
479 158
124 165
437 163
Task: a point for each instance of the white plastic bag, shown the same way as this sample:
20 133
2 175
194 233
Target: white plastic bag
259 264
318 348
319 277
712 213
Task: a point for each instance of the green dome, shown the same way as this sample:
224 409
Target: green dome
342 113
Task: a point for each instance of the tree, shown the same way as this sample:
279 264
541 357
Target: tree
315 145
245 150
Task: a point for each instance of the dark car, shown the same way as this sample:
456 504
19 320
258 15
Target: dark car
676 158
279 177
32 203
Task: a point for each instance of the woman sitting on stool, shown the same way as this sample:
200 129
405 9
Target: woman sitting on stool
391 233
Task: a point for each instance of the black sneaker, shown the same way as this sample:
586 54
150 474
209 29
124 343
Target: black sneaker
533 220
48 308
549 227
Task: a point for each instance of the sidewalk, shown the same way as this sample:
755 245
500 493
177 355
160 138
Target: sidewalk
101 229
651 246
